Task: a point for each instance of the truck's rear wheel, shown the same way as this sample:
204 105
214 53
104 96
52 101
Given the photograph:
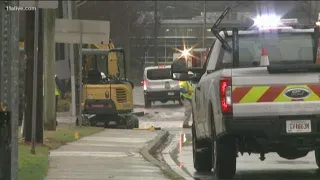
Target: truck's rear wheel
224 156
317 154
201 160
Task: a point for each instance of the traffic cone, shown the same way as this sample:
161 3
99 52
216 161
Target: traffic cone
264 61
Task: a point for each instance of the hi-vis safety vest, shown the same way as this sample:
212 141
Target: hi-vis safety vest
57 92
189 87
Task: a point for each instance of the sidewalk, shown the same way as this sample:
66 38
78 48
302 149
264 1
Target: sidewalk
111 154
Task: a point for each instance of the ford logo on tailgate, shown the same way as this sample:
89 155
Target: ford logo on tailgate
297 93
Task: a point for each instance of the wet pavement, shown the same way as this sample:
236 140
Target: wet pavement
178 154
114 153
111 154
248 167
168 115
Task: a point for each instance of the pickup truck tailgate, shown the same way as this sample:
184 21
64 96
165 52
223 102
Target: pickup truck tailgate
256 93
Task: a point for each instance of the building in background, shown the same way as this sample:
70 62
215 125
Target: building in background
174 33
179 22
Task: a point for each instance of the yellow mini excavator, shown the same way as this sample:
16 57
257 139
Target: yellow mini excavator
107 93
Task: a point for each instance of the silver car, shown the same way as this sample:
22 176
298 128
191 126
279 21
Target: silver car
158 85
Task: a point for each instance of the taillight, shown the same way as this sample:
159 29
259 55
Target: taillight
144 85
225 94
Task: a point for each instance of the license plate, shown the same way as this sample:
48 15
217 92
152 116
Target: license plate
298 126
170 93
100 123
112 123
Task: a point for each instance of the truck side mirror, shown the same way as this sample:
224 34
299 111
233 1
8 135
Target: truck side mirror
179 70
179 66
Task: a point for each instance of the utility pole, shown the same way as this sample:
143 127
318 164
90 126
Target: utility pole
49 69
29 44
65 9
35 69
156 33
28 48
128 56
80 76
72 69
9 77
39 121
76 62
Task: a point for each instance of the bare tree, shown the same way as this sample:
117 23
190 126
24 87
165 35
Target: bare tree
145 21
125 22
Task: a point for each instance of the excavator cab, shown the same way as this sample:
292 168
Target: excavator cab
107 93
103 65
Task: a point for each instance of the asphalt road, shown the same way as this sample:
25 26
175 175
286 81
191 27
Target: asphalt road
165 115
179 153
248 167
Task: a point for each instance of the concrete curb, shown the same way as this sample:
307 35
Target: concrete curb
152 147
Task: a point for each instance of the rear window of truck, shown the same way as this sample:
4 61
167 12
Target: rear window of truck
159 74
283 48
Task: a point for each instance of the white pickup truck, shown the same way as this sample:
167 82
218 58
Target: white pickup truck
241 107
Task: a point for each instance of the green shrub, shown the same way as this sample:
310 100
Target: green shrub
64 104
